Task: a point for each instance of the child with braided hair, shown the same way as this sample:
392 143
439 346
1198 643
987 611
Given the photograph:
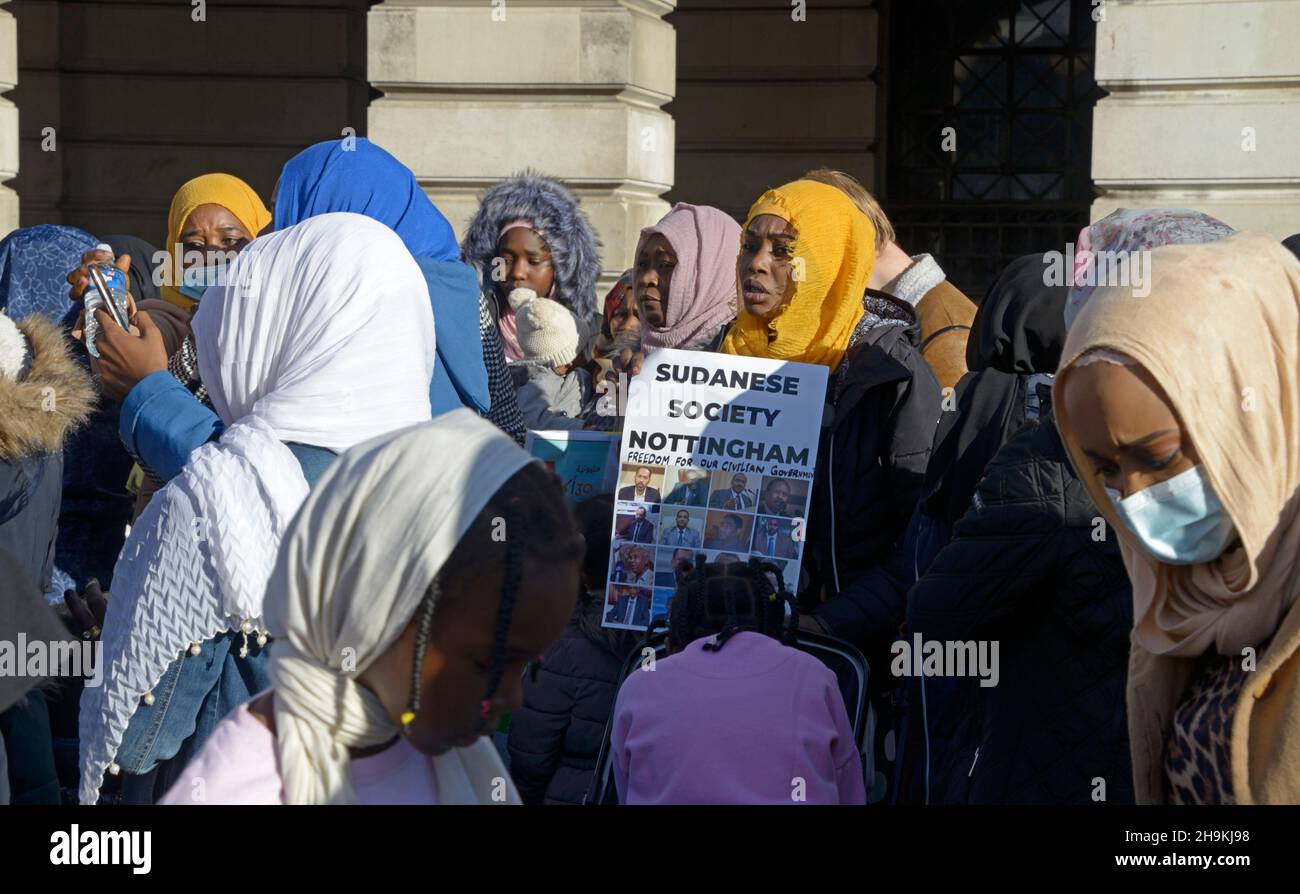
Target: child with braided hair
405 606
734 714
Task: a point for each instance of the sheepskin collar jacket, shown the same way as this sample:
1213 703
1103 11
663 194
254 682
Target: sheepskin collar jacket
53 398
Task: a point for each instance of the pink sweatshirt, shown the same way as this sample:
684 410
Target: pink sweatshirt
240 764
755 723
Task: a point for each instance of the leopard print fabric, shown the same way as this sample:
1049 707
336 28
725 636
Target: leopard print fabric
1198 764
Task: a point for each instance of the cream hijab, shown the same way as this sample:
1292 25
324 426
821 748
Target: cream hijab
352 570
1220 333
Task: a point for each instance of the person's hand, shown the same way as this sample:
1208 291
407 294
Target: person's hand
88 609
628 360
79 279
126 358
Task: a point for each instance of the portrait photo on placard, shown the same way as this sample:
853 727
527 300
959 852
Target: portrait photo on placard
641 483
687 487
682 527
632 563
787 497
775 538
729 531
670 564
628 607
737 491
636 522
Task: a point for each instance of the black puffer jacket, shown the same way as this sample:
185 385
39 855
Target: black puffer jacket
870 466
1033 566
555 735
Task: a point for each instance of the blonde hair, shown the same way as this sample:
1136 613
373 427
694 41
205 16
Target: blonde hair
866 202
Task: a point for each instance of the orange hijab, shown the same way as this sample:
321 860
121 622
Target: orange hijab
834 250
225 190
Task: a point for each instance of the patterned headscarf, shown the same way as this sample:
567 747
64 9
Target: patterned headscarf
1131 230
34 265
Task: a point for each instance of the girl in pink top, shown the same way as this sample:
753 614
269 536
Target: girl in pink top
733 716
403 620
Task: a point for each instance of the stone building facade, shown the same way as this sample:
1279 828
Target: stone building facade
987 127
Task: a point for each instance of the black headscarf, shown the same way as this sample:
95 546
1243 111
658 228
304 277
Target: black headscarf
1293 243
141 252
1018 330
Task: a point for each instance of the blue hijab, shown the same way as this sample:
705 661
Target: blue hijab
34 267
363 178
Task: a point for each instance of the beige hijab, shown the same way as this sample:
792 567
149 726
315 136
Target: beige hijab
1220 333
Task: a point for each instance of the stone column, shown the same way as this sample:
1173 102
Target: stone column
8 120
1203 111
475 90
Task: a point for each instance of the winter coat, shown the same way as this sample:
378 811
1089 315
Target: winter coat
37 414
556 734
53 397
1030 569
946 315
875 442
548 401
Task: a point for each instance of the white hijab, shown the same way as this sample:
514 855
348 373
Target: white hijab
353 568
323 336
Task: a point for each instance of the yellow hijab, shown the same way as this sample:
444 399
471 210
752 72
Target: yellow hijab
225 190
1220 333
835 249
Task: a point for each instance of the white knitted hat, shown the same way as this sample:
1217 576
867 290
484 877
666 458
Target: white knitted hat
14 353
547 331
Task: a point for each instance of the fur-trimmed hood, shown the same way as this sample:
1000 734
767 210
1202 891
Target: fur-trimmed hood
554 211
53 398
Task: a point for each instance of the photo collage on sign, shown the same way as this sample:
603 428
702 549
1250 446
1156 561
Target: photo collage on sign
664 517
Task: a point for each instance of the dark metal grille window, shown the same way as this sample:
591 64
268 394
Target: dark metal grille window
1014 80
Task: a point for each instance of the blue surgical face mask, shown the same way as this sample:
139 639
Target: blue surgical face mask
195 281
1180 521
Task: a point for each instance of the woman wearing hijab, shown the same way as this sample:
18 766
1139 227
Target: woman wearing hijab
1179 407
33 262
154 373
356 175
343 354
361 178
883 401
401 635
1115 245
685 278
945 313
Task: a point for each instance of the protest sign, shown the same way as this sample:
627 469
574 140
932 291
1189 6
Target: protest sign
586 462
717 459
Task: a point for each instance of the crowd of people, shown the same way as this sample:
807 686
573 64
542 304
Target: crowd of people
289 508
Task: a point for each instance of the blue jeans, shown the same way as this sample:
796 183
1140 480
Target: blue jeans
192 697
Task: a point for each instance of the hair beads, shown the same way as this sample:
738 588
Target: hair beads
422 629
